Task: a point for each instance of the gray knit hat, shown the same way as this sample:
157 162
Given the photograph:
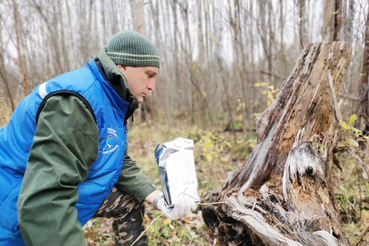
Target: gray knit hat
132 49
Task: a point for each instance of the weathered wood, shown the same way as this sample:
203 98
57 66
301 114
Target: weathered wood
283 194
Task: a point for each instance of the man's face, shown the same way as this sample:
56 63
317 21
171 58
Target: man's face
141 80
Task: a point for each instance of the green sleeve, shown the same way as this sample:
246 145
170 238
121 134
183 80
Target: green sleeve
133 181
64 147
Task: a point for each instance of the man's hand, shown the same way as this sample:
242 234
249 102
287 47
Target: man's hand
180 209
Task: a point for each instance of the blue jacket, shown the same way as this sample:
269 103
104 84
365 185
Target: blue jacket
109 110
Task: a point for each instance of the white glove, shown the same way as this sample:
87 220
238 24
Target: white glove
180 209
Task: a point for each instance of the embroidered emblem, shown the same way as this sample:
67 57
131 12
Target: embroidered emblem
110 144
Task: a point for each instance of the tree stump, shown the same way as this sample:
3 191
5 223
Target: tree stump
283 194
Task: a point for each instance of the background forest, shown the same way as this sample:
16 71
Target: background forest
223 62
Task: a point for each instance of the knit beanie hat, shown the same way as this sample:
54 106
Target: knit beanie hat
132 49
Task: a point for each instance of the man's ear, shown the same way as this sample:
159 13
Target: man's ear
121 66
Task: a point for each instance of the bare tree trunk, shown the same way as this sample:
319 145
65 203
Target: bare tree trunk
282 57
328 23
252 59
55 39
270 46
283 194
104 24
112 17
363 107
232 16
4 76
266 35
303 21
139 17
71 40
243 70
64 50
19 48
337 20
176 56
347 22
200 35
351 13
207 31
3 72
139 21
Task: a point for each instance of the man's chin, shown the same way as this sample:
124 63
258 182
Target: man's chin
139 100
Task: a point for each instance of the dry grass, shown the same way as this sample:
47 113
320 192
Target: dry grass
5 112
352 194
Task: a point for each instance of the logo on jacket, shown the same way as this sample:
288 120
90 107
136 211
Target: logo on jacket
110 144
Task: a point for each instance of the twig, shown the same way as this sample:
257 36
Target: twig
273 74
361 200
333 98
366 163
142 233
358 160
348 97
362 237
212 203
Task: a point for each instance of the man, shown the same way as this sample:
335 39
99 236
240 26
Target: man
63 155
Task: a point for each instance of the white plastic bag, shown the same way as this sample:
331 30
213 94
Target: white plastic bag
177 170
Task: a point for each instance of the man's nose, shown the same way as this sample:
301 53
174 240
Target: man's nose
151 86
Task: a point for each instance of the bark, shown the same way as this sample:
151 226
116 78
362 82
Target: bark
349 35
55 37
252 61
19 48
331 30
139 21
348 13
282 58
233 16
363 107
139 17
3 71
303 21
242 67
112 17
177 56
4 78
266 35
207 31
327 22
200 40
65 54
283 194
104 19
337 20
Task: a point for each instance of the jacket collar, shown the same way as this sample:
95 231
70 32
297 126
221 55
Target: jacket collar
116 80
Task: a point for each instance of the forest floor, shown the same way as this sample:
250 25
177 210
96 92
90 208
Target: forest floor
213 161
217 153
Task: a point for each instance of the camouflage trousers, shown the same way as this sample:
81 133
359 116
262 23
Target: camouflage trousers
128 214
